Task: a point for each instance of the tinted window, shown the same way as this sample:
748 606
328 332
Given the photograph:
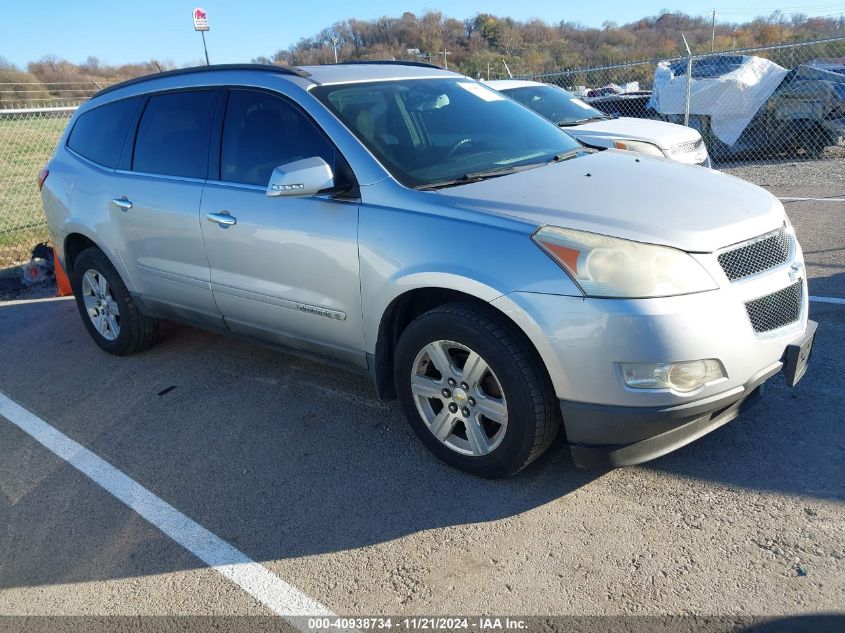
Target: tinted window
99 134
709 67
173 134
261 132
555 104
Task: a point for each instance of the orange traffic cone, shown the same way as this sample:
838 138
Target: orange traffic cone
63 288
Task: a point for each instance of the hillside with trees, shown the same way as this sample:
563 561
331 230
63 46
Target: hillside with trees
476 46
535 46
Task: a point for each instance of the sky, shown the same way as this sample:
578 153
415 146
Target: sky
121 32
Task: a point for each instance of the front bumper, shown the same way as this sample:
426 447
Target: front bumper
603 436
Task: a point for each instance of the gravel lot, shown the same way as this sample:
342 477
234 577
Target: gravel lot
299 467
793 176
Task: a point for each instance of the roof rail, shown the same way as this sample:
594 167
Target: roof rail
272 68
397 62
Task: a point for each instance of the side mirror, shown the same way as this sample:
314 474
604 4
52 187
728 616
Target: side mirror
300 178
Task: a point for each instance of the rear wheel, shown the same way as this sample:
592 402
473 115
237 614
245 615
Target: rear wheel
111 316
474 391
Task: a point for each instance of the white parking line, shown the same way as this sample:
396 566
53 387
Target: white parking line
280 597
789 199
23 302
827 300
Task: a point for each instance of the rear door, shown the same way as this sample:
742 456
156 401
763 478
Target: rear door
288 269
155 215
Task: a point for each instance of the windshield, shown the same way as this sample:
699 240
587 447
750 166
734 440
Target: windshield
555 104
431 131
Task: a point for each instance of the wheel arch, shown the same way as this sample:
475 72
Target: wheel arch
78 237
406 307
73 245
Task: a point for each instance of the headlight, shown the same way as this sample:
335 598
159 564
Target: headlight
611 267
639 146
684 376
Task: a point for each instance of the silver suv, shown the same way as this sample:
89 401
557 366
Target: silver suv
479 263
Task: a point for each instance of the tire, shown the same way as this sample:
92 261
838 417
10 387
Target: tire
812 141
123 330
514 387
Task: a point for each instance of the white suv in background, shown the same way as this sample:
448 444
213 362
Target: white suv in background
597 129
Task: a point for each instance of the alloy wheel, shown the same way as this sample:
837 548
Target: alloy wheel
459 398
100 304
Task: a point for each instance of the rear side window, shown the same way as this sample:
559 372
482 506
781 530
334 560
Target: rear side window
261 132
99 134
174 133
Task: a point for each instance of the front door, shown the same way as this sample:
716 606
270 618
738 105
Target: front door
283 268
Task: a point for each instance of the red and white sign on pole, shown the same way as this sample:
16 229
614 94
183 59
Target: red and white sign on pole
201 25
200 20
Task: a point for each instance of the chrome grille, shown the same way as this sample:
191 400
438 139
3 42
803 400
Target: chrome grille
757 255
689 146
777 309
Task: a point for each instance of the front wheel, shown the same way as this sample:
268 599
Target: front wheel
107 309
474 390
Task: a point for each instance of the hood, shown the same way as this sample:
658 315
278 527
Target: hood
660 133
631 196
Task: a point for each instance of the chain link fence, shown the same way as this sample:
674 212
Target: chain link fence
27 139
776 103
781 102
32 117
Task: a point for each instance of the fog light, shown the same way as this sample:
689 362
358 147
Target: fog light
683 376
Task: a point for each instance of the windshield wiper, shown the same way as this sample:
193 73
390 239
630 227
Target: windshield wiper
571 123
557 158
474 176
603 117
477 176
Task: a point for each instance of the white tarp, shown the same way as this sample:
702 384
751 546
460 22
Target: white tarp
730 100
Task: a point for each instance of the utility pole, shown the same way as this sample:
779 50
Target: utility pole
713 35
689 80
445 61
510 74
334 42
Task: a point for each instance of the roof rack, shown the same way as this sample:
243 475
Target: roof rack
272 68
397 62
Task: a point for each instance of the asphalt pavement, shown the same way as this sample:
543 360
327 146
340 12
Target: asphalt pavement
298 467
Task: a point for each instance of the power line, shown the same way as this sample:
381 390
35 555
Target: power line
806 7
770 10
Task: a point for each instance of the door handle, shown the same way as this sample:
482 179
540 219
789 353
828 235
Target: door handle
223 219
122 203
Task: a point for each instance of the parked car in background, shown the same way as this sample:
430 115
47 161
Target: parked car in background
630 104
838 68
417 226
746 105
709 67
806 112
599 130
